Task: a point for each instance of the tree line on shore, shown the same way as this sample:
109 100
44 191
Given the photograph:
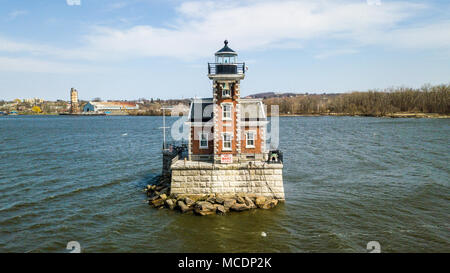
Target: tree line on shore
427 99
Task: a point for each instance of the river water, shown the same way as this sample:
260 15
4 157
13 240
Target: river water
348 181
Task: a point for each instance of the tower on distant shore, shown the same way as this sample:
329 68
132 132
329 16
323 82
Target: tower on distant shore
74 108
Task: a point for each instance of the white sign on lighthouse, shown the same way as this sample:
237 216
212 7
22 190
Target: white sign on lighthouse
226 159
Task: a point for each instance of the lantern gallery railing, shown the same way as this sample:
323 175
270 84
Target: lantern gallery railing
224 68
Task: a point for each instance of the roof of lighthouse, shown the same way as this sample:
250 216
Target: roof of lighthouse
201 110
226 50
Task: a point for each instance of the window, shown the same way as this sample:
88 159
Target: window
226 92
250 139
203 139
226 111
226 141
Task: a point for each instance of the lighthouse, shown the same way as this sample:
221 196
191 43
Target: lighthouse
226 151
226 128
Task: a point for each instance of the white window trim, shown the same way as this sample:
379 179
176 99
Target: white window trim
200 140
223 142
231 111
254 139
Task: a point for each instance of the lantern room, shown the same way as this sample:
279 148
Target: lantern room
226 63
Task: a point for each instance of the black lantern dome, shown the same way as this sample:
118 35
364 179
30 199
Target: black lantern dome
226 51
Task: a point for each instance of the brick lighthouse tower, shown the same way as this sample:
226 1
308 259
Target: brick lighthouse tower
226 75
227 128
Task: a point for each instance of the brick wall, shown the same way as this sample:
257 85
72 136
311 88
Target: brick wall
258 141
195 141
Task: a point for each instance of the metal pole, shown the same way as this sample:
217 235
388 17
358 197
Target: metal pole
164 129
164 125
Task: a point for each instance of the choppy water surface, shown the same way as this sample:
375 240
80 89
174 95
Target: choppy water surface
348 181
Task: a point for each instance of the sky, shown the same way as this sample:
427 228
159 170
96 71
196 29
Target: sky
133 49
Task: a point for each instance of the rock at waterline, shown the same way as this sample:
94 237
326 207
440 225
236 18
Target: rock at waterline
260 200
158 197
249 203
163 196
228 203
157 202
183 207
188 201
204 208
270 204
220 209
154 197
164 190
240 200
211 199
170 203
219 200
239 207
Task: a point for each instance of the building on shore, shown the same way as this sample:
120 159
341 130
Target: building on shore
110 107
33 100
226 150
74 106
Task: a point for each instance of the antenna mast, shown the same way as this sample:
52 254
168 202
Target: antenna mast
164 125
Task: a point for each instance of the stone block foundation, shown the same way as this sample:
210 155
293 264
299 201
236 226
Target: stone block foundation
251 178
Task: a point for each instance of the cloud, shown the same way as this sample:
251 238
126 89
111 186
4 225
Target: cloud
117 5
73 2
41 50
9 64
16 13
201 26
434 35
374 2
330 53
254 25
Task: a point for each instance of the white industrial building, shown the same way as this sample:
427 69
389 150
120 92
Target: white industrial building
109 106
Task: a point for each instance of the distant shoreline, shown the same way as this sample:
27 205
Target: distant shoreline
388 115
